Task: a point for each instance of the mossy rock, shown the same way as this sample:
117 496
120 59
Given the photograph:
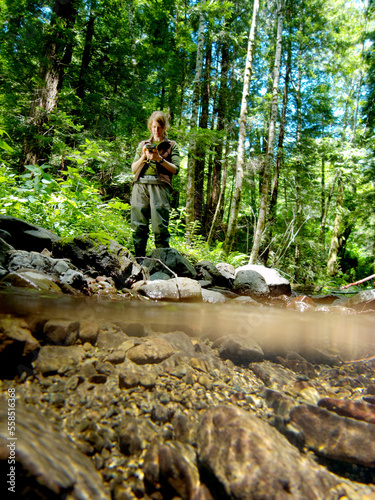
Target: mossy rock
96 254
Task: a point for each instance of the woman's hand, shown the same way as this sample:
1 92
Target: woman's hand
152 155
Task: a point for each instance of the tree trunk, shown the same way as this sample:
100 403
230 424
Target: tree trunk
190 188
200 161
334 248
271 140
236 200
279 157
86 57
221 197
57 57
326 206
299 168
217 167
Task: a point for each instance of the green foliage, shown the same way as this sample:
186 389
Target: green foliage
70 205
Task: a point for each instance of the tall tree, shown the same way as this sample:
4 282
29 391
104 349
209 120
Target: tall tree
190 188
271 139
236 199
57 57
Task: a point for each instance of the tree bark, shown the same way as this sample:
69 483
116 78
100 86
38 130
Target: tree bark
335 245
86 57
279 158
190 188
200 161
271 140
299 168
236 200
326 207
221 110
220 203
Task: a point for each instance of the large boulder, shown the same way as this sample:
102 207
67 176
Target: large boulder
98 255
46 463
246 458
248 282
208 271
184 289
166 260
276 283
361 301
25 236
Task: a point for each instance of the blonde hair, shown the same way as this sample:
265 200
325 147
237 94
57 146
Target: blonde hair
160 117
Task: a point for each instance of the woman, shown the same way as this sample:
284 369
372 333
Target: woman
153 169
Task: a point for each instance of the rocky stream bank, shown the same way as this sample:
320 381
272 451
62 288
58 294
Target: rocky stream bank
163 380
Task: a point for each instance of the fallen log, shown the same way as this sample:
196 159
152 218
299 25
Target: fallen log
358 282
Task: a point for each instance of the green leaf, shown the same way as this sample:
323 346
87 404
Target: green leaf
6 146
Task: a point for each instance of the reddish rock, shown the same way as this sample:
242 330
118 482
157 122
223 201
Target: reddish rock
354 409
336 437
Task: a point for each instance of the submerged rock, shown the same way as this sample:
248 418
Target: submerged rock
54 468
251 460
337 437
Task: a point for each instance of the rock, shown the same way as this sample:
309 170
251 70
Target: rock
180 341
240 349
88 331
174 289
116 357
62 332
110 340
362 301
128 380
213 297
171 467
16 346
204 266
354 409
246 300
159 275
276 283
273 376
16 330
250 283
152 350
227 270
336 437
73 278
251 460
26 236
36 280
135 330
134 435
52 359
302 303
298 364
172 259
47 464
5 249
98 255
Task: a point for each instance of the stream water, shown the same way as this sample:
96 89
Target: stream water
352 336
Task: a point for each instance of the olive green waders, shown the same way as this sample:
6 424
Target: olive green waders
150 201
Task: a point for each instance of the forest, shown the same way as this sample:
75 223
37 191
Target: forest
271 102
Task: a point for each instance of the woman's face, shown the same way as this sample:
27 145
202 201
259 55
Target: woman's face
157 131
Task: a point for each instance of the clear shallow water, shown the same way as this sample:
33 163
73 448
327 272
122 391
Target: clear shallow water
351 336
